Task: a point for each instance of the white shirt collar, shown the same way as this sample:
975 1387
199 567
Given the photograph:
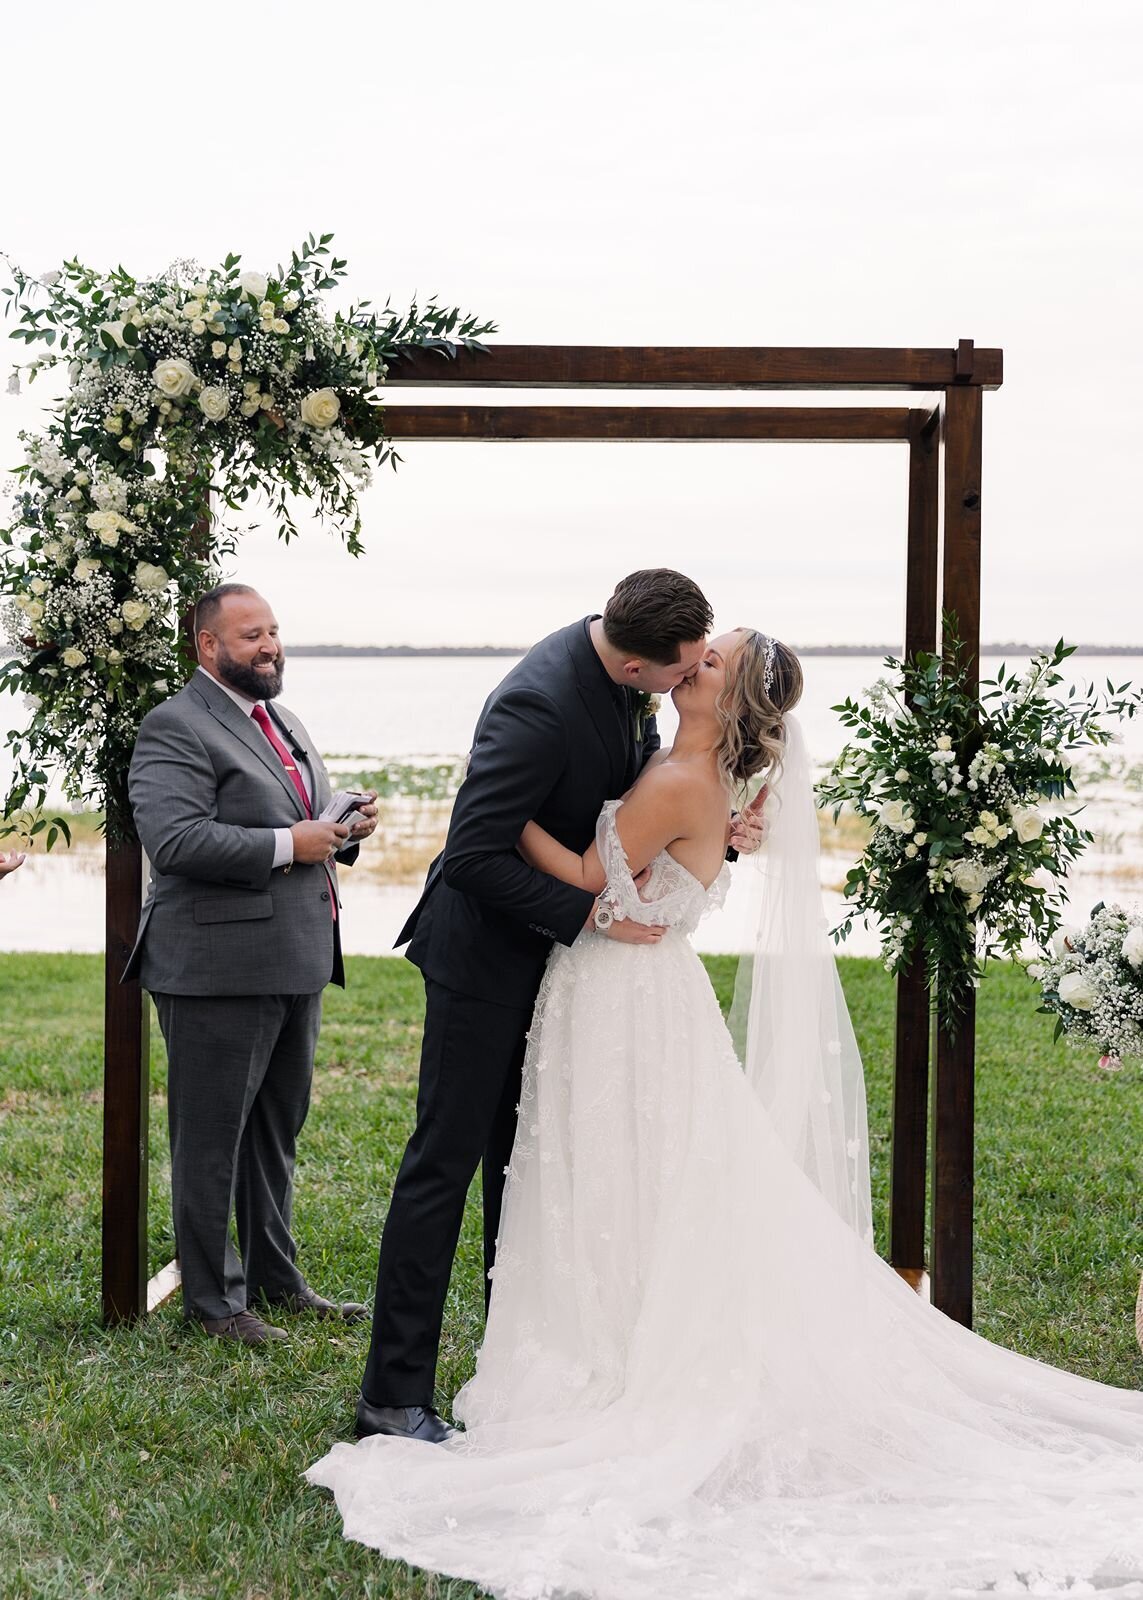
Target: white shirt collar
245 705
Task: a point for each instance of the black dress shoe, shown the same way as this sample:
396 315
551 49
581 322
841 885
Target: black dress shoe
307 1299
401 1422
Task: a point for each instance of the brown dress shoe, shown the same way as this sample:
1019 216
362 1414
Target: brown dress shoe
307 1299
243 1326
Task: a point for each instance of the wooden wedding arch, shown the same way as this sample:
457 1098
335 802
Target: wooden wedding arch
943 437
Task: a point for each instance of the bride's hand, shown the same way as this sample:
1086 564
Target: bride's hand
748 828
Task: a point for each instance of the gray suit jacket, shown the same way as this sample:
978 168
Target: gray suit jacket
207 790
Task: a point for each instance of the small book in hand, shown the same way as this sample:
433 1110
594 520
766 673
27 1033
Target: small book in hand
342 805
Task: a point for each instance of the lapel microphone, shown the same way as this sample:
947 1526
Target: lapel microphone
297 749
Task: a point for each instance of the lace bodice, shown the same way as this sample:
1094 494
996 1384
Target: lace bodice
672 897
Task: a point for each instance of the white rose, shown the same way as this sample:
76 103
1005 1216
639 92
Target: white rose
32 609
135 613
218 349
970 877
1064 941
73 657
1076 990
254 284
214 404
174 377
107 526
1034 970
52 549
113 424
160 685
320 409
38 586
1028 823
1133 947
149 578
86 567
901 775
114 330
944 742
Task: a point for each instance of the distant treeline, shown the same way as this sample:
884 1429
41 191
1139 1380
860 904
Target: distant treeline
1007 649
1012 648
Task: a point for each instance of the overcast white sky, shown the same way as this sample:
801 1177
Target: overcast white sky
678 172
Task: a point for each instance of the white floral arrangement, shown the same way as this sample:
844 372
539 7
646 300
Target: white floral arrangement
228 380
1091 980
970 846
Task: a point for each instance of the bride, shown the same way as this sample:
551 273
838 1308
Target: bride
698 1380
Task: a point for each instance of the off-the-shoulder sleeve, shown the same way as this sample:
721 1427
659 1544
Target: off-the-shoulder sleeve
620 884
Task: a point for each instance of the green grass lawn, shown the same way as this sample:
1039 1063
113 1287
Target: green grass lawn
154 1462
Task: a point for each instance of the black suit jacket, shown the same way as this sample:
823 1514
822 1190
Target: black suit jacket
552 743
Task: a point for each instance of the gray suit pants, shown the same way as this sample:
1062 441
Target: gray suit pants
238 1089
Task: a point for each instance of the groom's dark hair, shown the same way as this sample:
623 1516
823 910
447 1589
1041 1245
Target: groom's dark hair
653 612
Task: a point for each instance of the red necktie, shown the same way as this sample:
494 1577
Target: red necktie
261 717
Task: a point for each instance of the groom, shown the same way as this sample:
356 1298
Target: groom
562 733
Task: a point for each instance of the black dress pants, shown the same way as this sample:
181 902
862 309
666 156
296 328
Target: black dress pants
471 1061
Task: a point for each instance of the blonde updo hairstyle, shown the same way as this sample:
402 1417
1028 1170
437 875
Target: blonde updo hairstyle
753 734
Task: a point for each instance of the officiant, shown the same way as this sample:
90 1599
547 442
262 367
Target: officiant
239 935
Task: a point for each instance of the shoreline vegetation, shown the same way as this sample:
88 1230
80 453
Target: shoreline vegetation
1005 648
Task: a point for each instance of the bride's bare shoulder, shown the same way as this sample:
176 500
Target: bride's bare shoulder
677 785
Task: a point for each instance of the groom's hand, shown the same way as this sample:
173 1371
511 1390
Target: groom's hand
625 932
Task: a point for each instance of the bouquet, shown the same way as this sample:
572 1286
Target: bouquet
970 846
1091 980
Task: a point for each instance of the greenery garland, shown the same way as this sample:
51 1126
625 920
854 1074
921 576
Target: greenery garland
966 858
237 382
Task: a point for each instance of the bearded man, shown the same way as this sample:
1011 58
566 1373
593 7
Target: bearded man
239 935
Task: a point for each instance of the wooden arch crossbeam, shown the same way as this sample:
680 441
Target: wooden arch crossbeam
944 443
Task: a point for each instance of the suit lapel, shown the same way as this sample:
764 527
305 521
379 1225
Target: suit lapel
292 734
597 699
242 726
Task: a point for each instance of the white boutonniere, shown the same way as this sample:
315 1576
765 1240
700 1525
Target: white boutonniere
646 707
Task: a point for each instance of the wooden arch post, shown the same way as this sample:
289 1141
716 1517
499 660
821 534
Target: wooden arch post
948 435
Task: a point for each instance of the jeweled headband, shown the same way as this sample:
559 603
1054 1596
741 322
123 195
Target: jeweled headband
768 664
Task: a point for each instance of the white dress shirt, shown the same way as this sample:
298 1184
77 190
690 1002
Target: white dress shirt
283 838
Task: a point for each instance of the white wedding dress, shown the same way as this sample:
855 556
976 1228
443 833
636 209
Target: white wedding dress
698 1382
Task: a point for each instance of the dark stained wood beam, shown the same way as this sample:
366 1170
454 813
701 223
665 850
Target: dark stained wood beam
953 1100
126 1088
555 366
677 423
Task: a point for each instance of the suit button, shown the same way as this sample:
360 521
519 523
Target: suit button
325 894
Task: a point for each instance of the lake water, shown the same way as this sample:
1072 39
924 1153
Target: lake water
425 706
